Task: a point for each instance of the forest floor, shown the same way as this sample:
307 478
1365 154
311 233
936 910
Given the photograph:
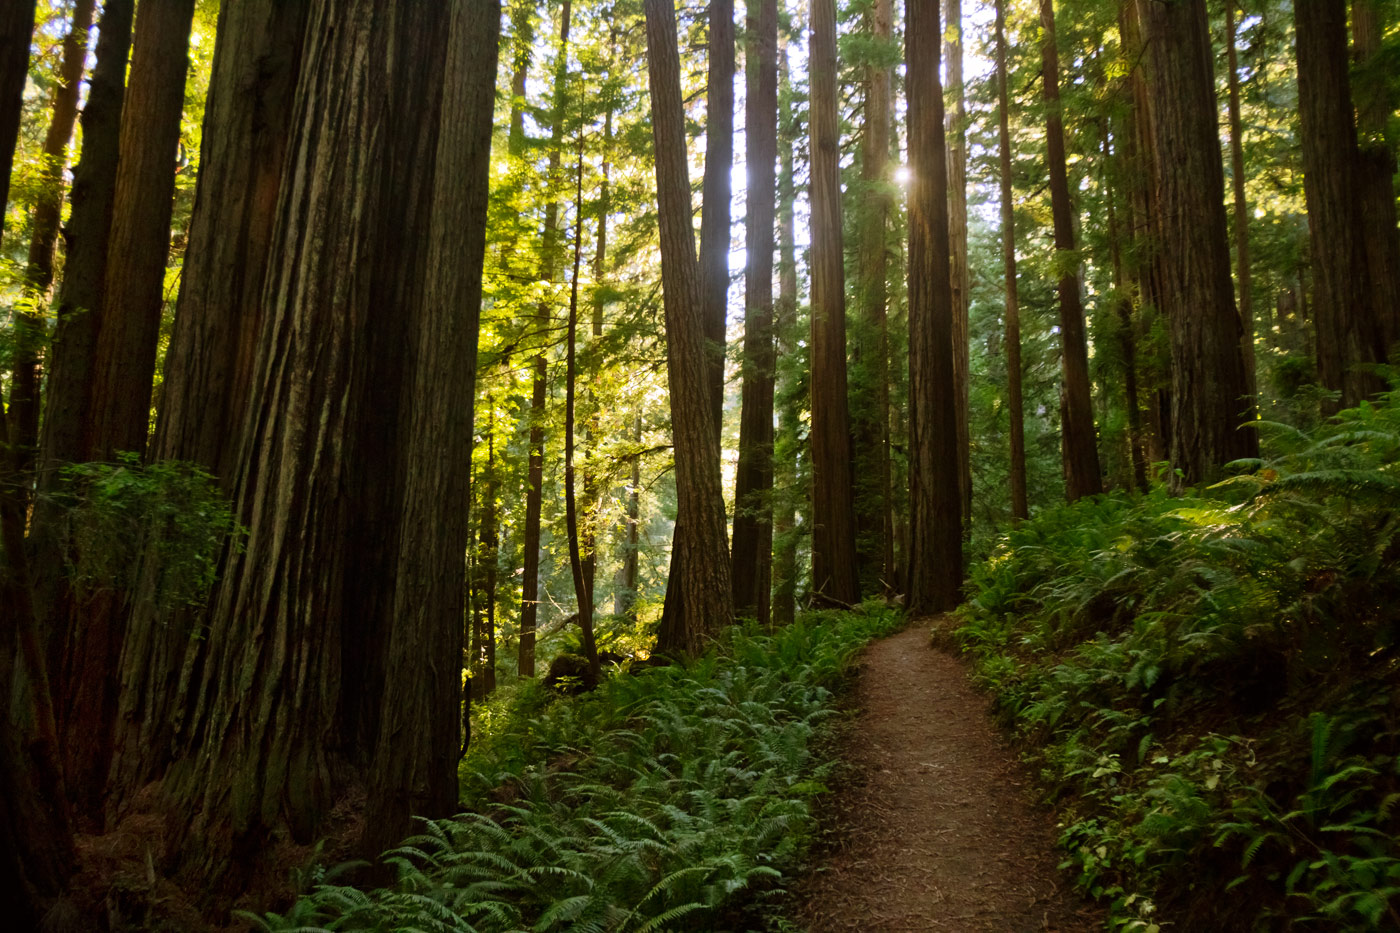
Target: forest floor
936 829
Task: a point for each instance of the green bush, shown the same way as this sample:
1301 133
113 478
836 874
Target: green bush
1207 683
658 802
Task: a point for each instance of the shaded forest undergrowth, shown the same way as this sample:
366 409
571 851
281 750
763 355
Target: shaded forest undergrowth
1208 684
680 798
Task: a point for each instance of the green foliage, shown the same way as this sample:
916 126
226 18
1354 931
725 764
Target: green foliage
1205 682
658 802
160 528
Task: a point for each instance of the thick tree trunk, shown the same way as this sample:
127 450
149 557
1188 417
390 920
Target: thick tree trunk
370 305
956 129
16 33
935 547
1209 387
38 272
716 196
530 586
67 406
835 579
1077 436
1241 205
699 598
129 326
870 392
1015 405
209 366
1375 103
753 482
1349 334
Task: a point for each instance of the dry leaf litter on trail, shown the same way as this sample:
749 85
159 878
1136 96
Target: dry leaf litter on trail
937 829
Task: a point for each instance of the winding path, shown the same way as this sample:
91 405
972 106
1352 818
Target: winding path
937 832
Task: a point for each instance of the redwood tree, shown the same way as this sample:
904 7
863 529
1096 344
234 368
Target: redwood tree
715 196
935 547
16 31
699 599
1015 406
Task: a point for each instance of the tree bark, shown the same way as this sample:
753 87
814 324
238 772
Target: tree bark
1077 435
1241 206
716 197
870 392
753 482
835 580
530 586
1375 103
699 599
16 33
785 481
1020 510
1209 388
129 325
935 547
38 272
956 129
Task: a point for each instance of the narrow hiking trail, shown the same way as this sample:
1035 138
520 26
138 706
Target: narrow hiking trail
937 831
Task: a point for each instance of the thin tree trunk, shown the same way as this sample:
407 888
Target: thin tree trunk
699 598
716 196
1015 406
1209 389
870 391
38 273
1375 103
1079 444
1241 206
16 33
133 291
935 547
634 517
753 483
785 323
956 128
834 568
1127 343
530 586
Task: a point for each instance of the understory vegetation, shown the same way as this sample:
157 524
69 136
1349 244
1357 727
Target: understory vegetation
1207 684
669 798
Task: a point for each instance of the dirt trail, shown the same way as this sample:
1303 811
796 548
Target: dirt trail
938 832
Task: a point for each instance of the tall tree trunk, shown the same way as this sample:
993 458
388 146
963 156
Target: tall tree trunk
38 272
630 561
870 391
530 586
67 407
16 33
834 567
129 326
1015 406
785 323
956 128
715 198
1241 206
1077 436
753 482
1375 103
935 556
210 363
1209 387
1349 334
583 586
371 301
1127 338
699 598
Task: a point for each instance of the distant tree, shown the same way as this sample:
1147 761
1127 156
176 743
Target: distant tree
716 196
955 121
1243 271
1019 507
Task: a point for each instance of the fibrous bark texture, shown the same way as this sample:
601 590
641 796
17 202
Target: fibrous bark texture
715 197
935 546
955 121
1375 103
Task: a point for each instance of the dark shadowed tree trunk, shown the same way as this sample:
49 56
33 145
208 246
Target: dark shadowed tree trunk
16 33
129 325
935 547
1209 387
870 393
753 482
1077 437
715 197
38 271
1375 103
699 598
1241 205
549 262
1015 406
835 577
955 121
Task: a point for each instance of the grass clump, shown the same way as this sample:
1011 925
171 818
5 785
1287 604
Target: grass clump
661 801
1208 684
